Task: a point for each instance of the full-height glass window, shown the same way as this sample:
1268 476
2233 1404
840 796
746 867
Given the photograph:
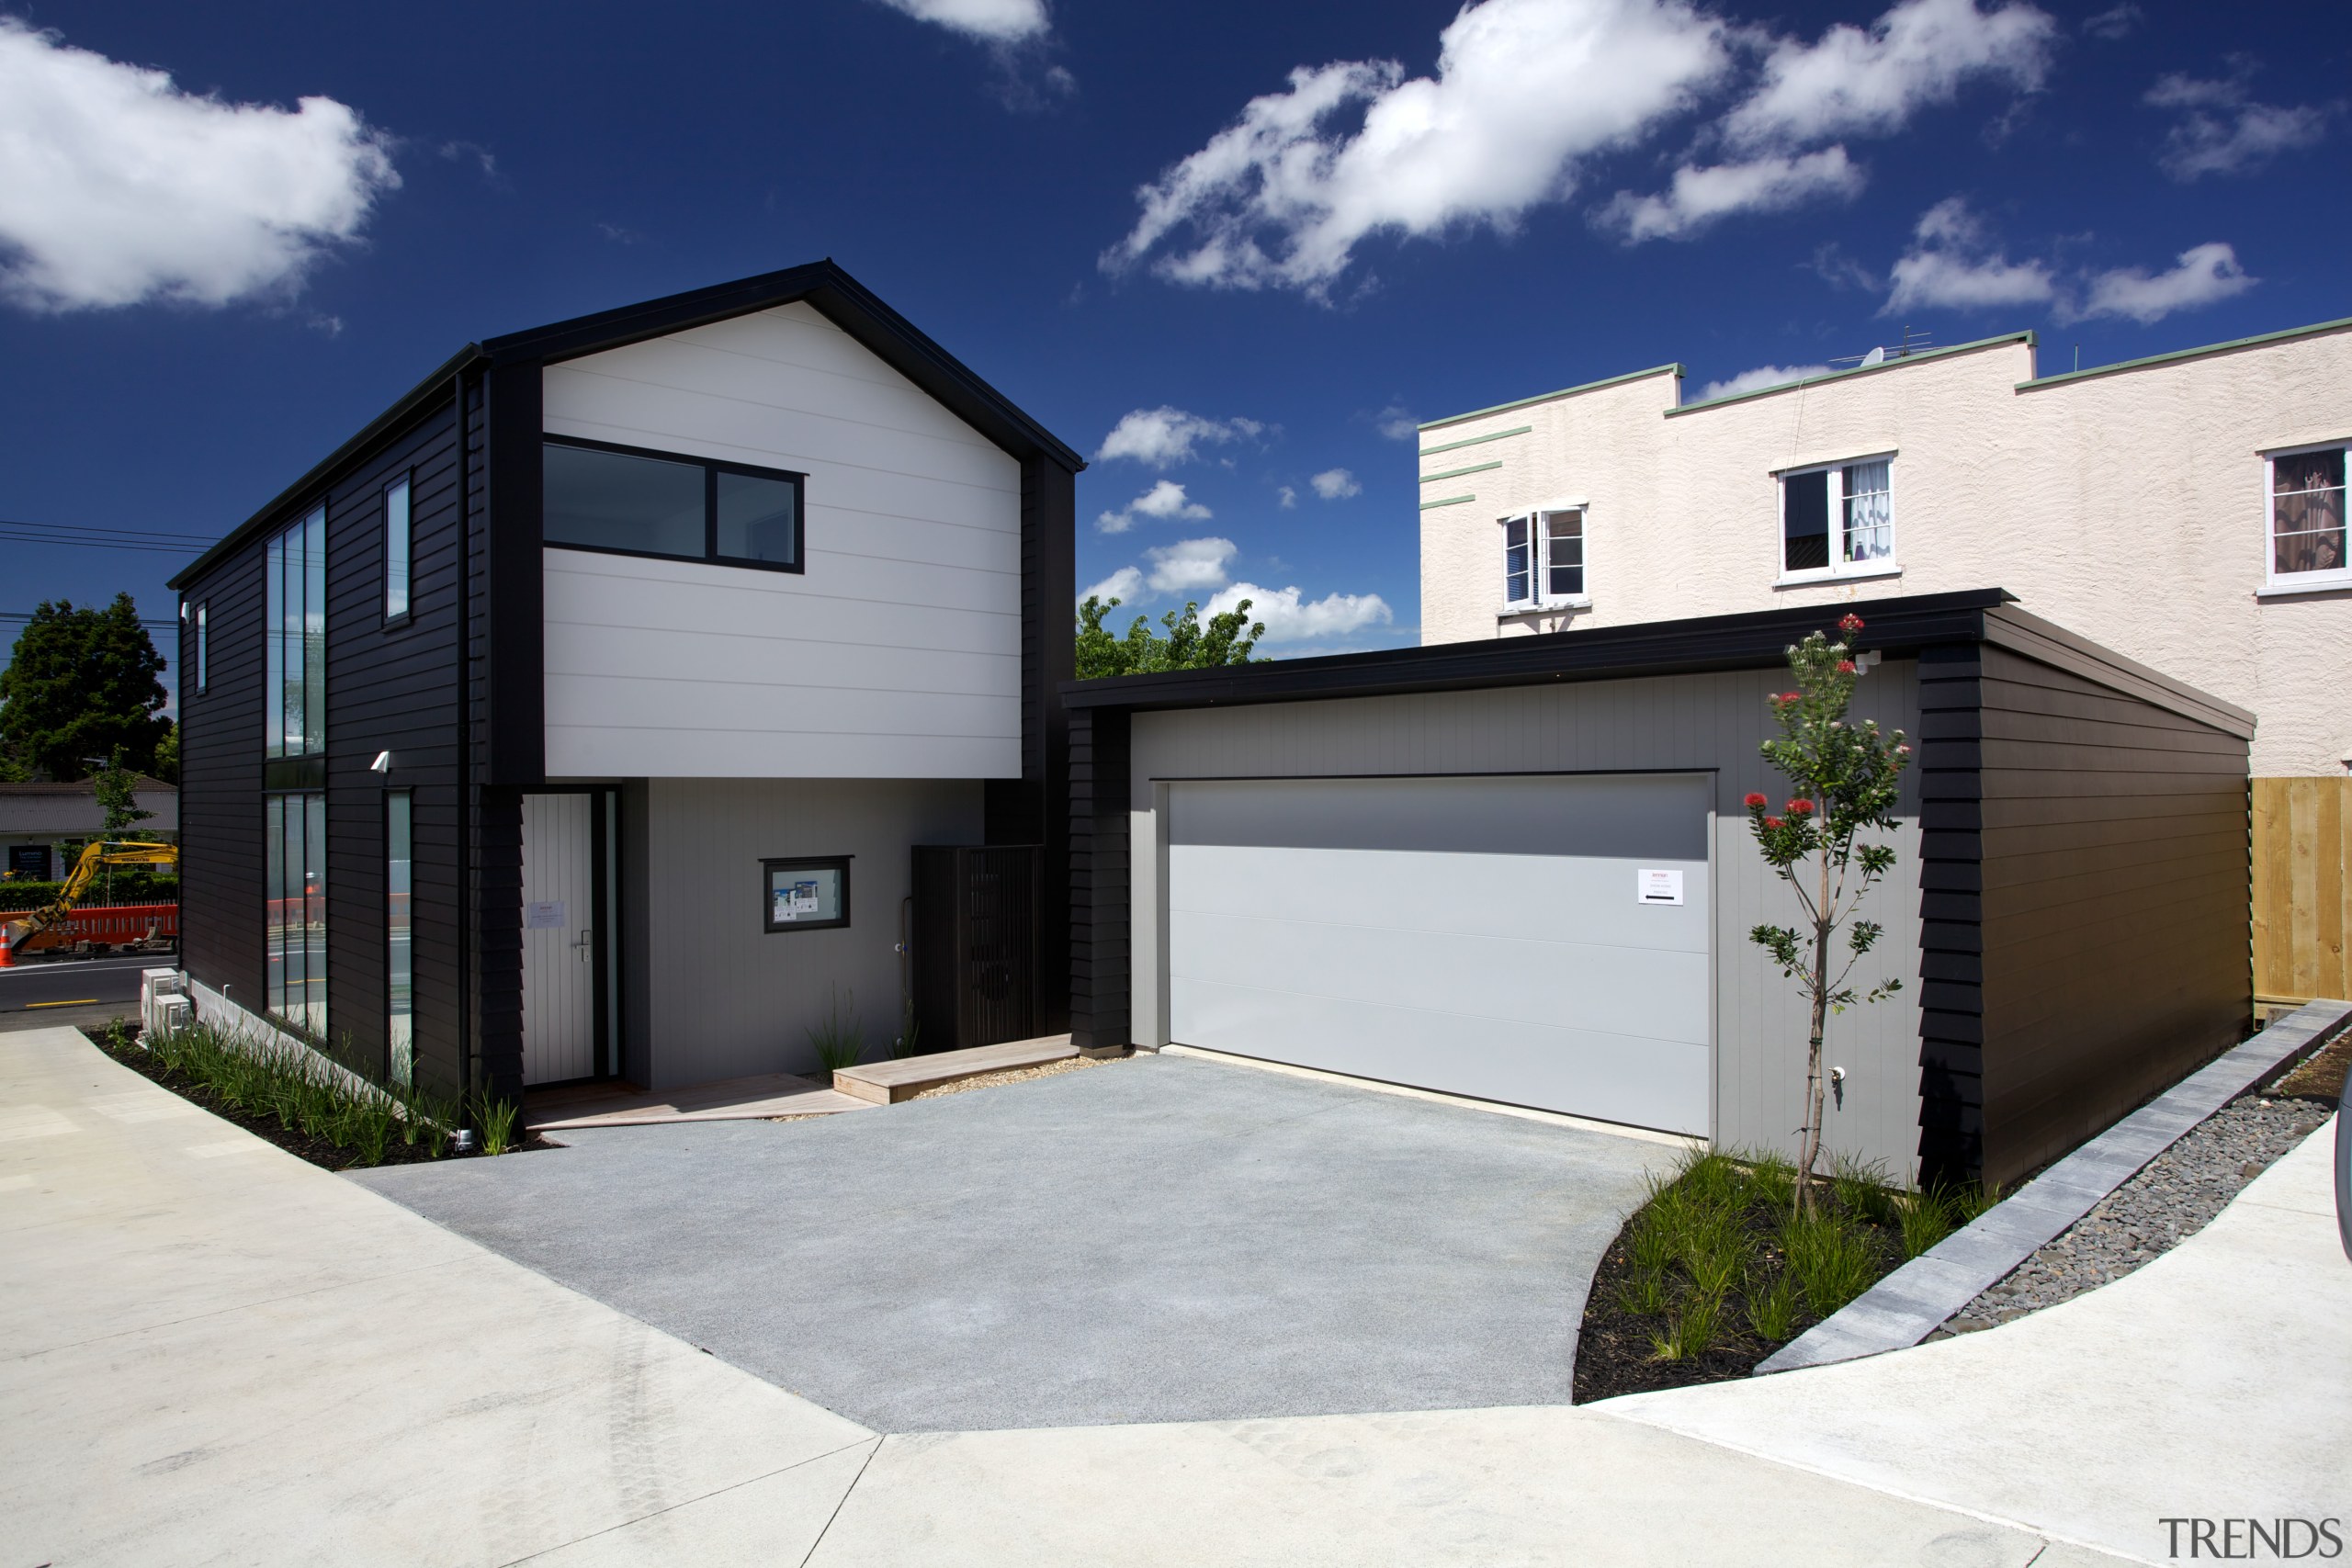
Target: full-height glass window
295 835
296 850
399 962
396 537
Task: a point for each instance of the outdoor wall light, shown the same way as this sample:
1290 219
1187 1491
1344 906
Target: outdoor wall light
382 764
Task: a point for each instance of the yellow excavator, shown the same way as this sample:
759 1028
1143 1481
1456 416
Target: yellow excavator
45 927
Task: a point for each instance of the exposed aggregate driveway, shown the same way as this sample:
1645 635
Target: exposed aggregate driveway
1161 1239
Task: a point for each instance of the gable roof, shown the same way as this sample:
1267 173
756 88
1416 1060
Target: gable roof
823 285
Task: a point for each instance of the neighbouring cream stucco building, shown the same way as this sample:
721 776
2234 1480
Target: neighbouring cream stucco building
2185 510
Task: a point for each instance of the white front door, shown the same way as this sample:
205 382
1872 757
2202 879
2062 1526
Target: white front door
1537 940
560 941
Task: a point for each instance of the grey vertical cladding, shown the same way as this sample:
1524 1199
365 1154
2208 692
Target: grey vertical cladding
222 916
2114 881
1098 879
1952 917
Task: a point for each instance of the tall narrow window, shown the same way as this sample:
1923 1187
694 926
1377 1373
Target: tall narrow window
1563 555
400 959
203 659
2307 519
1838 520
294 851
397 541
294 854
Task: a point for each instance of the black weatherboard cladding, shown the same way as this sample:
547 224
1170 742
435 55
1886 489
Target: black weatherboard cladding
2083 873
221 940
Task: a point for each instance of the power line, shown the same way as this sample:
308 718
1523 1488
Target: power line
20 617
121 532
155 540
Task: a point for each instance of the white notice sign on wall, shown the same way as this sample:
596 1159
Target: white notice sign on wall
549 917
1658 886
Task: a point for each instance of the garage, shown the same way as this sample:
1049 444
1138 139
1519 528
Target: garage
1519 870
1542 940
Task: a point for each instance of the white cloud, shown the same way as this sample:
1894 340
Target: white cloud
1524 90
1287 497
116 187
992 21
1917 56
1121 584
1336 484
2223 131
1291 618
1189 564
2116 22
2205 274
1397 422
1164 501
1762 377
1951 266
1700 195
1165 436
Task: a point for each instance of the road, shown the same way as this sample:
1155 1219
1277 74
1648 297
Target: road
47 986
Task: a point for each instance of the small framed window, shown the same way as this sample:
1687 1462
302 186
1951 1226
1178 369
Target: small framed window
203 655
626 500
1544 559
1839 520
400 541
805 895
2307 520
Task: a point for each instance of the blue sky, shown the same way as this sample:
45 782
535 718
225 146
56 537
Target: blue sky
1232 250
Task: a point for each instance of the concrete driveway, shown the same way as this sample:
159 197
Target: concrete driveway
1162 1239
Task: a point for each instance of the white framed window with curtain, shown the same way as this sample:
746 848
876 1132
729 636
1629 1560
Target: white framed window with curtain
1544 559
2305 496
1838 520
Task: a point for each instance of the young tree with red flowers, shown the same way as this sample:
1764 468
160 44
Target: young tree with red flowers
1847 778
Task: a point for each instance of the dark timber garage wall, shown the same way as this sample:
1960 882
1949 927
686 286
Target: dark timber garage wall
2069 921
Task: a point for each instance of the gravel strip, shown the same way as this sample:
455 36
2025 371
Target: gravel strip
1012 1075
2170 1199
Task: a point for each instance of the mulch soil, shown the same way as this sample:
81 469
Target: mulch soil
1615 1353
322 1152
2319 1076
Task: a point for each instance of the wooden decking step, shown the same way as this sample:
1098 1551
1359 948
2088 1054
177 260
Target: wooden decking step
886 1083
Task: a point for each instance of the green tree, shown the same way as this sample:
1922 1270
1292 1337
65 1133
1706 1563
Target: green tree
1227 638
167 756
81 683
1848 778
116 788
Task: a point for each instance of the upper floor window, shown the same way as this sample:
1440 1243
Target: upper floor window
1544 559
601 496
1837 519
2307 541
296 639
398 540
203 653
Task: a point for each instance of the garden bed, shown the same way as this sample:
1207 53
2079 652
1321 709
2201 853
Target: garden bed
301 1108
1713 1272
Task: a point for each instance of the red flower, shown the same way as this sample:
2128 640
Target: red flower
1845 667
1851 625
1787 697
1756 800
1774 823
1800 807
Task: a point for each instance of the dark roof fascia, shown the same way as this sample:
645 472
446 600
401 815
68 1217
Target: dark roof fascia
1895 627
424 395
846 302
2046 642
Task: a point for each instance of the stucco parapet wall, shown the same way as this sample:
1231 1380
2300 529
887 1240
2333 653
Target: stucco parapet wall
1675 371
2178 355
2008 340
1915 1300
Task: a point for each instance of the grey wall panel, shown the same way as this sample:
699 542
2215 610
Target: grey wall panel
723 998
1664 724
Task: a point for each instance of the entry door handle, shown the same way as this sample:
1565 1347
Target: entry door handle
584 944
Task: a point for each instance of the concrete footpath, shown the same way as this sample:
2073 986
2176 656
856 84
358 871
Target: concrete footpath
215 1353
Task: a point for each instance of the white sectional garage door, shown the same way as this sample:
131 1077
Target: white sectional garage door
1494 936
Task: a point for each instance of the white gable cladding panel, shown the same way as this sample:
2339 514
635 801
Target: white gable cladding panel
897 654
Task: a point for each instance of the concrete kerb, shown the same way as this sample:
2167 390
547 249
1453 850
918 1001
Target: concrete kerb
1917 1299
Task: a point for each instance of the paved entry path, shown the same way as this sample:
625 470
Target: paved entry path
212 1353
1160 1239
